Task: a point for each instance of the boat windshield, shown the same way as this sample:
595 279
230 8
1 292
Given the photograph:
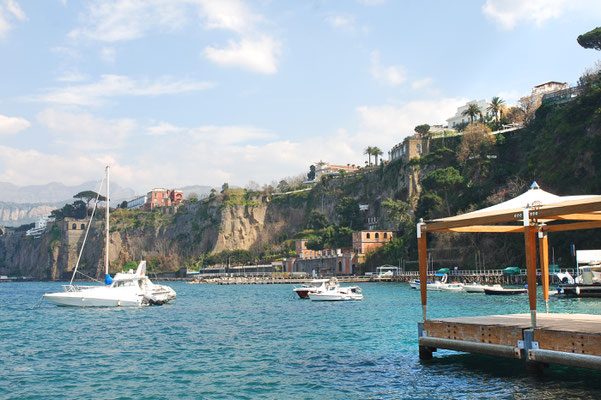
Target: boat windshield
123 283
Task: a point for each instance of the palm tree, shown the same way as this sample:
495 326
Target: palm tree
496 106
375 151
472 111
369 151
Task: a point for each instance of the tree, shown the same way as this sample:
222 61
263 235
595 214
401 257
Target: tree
397 211
311 174
88 195
591 39
349 213
123 204
446 180
422 129
283 186
318 220
213 193
193 196
476 140
225 187
495 106
472 111
529 105
369 151
376 152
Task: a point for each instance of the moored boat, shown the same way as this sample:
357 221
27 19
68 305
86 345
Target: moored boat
477 288
334 292
315 285
503 291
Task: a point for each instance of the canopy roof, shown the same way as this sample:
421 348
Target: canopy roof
542 206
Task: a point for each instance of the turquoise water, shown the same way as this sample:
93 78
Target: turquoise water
260 342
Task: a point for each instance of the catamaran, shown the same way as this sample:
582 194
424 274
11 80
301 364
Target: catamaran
129 289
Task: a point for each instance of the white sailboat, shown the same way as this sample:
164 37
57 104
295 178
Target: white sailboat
130 289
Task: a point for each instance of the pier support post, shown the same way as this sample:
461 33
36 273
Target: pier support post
543 247
530 242
423 267
425 352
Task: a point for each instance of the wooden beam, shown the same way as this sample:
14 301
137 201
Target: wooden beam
423 269
554 212
530 244
573 227
486 229
580 217
543 247
434 226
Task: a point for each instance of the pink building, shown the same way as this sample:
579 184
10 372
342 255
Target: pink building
163 198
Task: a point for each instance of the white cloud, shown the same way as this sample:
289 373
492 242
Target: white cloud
163 128
390 124
112 21
509 13
116 85
228 14
371 2
12 125
339 21
9 10
421 83
84 132
108 54
259 55
391 75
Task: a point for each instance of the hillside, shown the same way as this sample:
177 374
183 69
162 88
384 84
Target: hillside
560 149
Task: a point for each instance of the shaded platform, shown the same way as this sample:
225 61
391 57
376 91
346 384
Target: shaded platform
565 339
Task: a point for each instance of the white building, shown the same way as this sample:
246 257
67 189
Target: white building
40 226
136 203
548 87
459 118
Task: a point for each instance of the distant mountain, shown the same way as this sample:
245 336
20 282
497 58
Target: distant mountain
57 193
25 204
200 191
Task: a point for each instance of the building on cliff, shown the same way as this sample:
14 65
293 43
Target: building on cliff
335 261
157 198
410 147
459 118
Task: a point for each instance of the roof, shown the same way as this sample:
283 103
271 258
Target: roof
542 206
546 83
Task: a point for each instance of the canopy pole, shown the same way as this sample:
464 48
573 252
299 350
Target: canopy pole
530 247
423 266
106 246
543 247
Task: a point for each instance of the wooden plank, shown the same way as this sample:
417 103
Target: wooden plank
594 216
543 247
486 229
573 227
530 242
489 334
423 270
569 342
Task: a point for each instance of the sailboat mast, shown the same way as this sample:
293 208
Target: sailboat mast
106 246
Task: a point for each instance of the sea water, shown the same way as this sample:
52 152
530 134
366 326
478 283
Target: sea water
262 342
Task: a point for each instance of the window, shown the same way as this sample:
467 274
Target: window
385 235
339 266
74 226
83 226
377 235
367 236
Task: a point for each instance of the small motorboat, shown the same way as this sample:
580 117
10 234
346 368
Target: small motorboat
452 287
504 292
316 285
477 288
334 292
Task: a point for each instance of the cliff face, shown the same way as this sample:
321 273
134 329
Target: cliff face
171 240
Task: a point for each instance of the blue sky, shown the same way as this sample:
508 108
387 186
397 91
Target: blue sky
180 92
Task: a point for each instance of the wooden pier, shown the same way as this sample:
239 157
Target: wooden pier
565 339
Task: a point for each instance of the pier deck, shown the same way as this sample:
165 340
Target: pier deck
566 339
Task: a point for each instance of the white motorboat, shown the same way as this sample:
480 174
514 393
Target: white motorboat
438 284
316 285
334 292
477 288
452 287
131 289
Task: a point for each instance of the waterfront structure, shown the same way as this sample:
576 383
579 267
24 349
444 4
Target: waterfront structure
573 340
459 118
335 261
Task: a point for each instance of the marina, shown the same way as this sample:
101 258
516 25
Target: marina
539 339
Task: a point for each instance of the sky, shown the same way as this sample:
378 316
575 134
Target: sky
172 93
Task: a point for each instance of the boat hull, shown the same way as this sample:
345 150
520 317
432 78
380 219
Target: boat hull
505 292
78 300
580 290
335 297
